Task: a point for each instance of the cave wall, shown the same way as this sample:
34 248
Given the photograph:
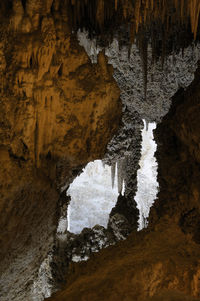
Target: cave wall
58 112
178 155
161 262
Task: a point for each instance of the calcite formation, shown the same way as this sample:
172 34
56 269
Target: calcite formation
58 111
161 262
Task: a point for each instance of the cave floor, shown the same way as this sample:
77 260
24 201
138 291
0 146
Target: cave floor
150 265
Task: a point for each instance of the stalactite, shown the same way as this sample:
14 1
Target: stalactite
119 176
103 18
113 168
154 22
142 11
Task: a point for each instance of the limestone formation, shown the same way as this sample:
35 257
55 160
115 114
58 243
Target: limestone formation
58 111
161 262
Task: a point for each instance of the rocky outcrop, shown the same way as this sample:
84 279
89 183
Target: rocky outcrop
178 155
123 218
58 111
161 262
147 266
125 145
70 247
150 101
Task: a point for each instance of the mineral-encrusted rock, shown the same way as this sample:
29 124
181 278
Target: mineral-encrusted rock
58 111
70 247
178 156
163 81
161 262
126 208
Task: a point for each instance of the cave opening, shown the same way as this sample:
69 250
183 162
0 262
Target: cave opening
92 198
94 193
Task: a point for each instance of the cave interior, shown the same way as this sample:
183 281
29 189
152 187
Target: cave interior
99 88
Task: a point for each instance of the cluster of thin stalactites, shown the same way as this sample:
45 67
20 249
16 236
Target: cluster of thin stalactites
141 12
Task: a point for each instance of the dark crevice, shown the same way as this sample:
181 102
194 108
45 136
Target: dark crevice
60 70
31 62
24 4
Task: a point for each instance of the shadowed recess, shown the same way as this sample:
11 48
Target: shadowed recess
98 15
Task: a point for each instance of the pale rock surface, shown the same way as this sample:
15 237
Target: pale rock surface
92 197
146 175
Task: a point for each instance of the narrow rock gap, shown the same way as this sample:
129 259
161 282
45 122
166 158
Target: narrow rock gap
24 4
147 184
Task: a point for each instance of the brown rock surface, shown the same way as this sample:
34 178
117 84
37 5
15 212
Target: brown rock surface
58 112
161 263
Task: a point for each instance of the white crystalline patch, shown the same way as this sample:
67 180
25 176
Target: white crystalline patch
76 258
147 175
90 45
92 197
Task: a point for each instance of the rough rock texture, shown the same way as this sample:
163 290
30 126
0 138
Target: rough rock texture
145 265
179 157
126 209
144 96
70 247
163 78
125 146
58 111
147 98
161 263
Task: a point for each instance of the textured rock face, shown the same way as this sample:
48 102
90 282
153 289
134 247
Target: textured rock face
143 96
127 143
69 247
161 87
178 155
143 267
161 263
58 111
